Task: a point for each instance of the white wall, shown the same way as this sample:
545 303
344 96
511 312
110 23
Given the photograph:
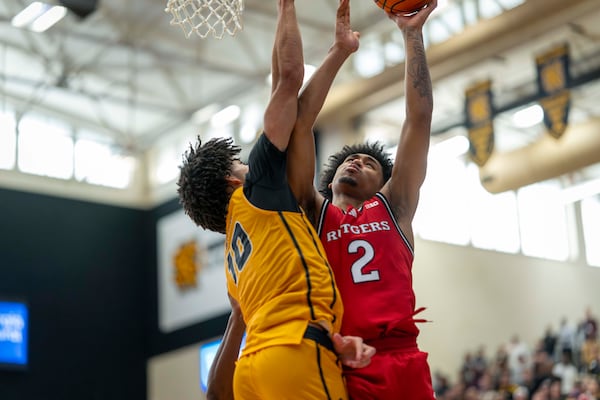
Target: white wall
474 297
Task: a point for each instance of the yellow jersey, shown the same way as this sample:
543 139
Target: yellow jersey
275 264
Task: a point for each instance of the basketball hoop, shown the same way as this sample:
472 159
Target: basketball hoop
206 17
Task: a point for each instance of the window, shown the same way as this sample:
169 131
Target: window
167 164
98 163
494 222
543 221
442 214
590 218
45 148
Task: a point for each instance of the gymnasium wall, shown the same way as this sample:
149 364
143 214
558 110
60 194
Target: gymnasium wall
474 297
83 270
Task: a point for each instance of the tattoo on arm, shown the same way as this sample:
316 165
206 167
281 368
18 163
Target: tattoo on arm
417 69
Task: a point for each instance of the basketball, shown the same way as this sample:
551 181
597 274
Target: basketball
401 6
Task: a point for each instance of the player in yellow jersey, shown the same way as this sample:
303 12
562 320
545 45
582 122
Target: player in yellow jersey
277 271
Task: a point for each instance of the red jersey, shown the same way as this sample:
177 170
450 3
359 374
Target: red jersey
372 262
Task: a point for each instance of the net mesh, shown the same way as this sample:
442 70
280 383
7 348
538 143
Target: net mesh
207 17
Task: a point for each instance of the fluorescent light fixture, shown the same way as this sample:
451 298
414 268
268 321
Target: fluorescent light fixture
225 116
39 16
49 18
580 191
29 14
528 117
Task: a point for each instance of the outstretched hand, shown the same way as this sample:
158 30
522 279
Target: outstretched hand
352 351
416 20
345 37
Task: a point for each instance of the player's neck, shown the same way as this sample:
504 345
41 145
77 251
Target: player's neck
343 201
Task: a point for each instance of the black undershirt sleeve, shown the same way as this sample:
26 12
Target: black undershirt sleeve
266 184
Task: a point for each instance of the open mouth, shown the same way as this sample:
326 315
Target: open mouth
351 169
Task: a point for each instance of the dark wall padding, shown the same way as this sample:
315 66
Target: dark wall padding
83 270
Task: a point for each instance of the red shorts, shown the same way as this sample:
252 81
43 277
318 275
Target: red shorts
394 373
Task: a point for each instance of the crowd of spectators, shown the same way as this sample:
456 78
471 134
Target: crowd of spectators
563 365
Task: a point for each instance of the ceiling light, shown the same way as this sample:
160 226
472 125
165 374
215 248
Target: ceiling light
225 116
49 18
528 117
29 14
39 16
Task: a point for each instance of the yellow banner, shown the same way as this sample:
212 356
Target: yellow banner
553 85
479 120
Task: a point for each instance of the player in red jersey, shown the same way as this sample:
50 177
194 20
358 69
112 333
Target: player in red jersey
363 211
365 208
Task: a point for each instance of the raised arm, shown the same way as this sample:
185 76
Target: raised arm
301 151
220 376
410 163
288 74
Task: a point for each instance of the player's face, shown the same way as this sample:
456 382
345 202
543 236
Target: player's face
239 170
360 174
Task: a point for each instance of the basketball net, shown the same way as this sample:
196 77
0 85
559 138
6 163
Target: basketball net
206 17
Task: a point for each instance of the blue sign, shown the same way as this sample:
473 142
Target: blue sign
208 351
14 323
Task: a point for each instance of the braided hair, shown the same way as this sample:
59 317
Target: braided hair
374 149
202 186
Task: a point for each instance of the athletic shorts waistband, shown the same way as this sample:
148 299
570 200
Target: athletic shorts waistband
320 336
404 344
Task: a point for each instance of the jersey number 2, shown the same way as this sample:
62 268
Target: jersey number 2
358 274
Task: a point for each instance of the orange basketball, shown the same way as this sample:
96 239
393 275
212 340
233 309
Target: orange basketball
401 6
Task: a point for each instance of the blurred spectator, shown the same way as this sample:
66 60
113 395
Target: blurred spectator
590 353
591 388
590 325
467 372
566 338
480 362
593 367
549 341
542 392
518 358
521 393
542 369
554 391
566 371
505 386
440 384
